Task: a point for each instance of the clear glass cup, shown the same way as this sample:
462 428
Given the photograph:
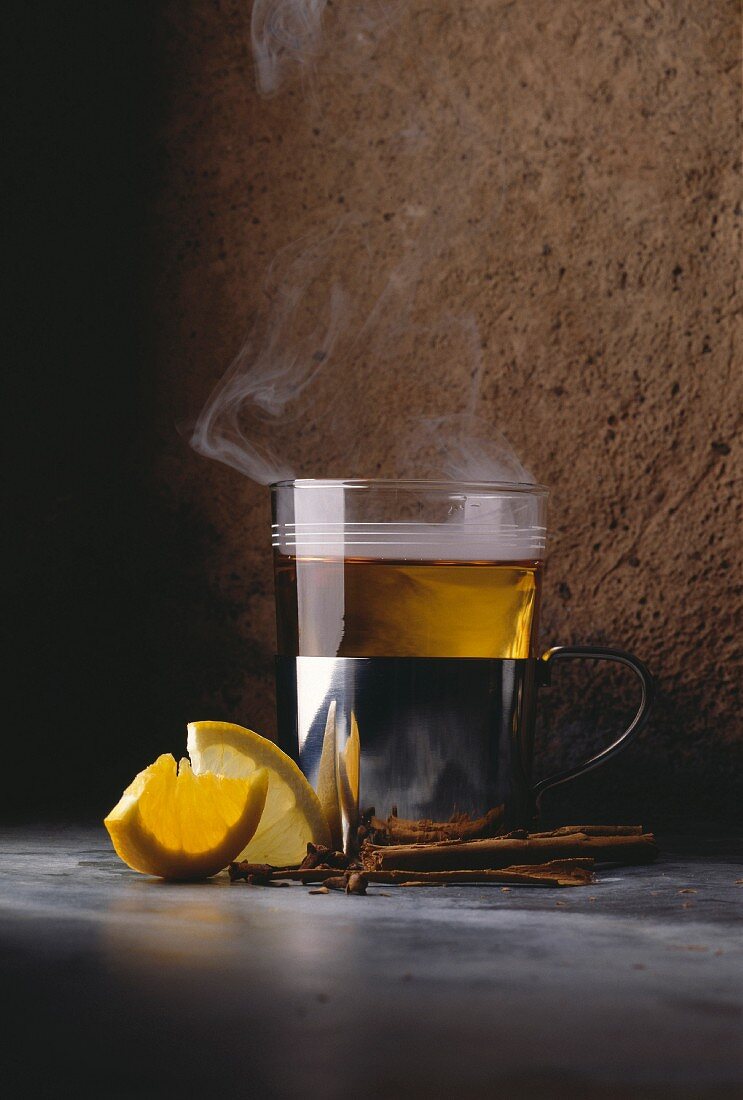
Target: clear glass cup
408 654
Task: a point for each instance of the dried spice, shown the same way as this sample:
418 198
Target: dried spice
400 830
591 830
320 856
501 852
561 857
356 883
561 872
255 874
336 882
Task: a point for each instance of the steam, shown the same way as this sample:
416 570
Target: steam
286 36
290 344
462 448
347 305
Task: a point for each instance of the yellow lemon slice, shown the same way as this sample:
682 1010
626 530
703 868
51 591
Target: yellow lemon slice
177 825
327 780
293 815
349 773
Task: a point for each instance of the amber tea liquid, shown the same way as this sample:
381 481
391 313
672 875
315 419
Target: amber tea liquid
373 607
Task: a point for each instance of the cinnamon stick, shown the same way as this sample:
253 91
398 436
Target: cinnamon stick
310 874
500 852
559 872
592 830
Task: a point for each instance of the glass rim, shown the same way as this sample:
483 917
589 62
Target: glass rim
421 484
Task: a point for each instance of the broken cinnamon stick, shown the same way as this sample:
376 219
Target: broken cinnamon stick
559 872
592 830
497 853
309 875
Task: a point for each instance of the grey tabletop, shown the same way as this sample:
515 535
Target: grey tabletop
124 986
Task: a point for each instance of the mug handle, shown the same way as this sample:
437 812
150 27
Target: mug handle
560 652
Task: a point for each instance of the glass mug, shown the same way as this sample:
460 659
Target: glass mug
407 668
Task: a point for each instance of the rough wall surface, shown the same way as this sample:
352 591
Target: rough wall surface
588 227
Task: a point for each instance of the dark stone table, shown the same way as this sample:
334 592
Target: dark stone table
118 985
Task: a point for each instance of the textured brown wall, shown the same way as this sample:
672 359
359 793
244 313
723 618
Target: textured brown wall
593 239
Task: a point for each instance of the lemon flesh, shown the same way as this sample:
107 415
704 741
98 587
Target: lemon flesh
174 824
292 816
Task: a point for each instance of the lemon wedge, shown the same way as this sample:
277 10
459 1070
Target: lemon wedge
292 816
177 825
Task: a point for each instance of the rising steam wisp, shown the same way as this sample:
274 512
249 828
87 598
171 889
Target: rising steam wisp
345 308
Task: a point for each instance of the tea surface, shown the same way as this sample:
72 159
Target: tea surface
375 608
